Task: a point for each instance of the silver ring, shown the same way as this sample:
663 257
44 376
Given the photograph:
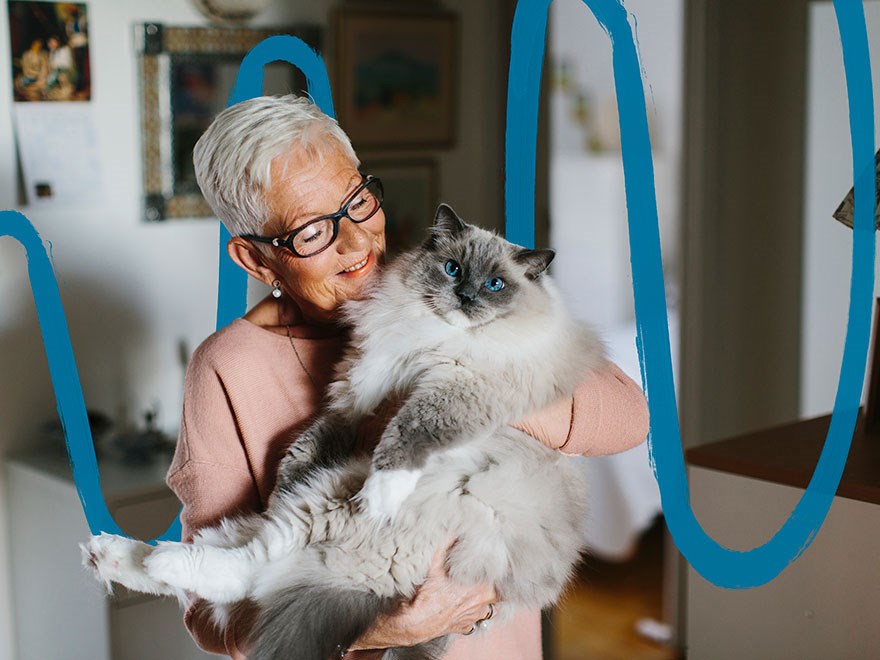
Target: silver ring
483 623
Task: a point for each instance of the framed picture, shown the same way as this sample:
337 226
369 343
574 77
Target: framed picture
845 211
186 77
396 77
50 51
411 199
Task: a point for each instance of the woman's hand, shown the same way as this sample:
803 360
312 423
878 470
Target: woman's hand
551 424
440 607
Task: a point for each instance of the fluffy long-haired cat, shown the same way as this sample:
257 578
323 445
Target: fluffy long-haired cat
469 332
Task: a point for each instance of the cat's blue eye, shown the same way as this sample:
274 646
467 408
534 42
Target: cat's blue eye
452 268
494 284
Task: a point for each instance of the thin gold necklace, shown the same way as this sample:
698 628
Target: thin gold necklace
299 359
293 346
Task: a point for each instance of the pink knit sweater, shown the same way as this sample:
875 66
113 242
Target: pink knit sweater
247 395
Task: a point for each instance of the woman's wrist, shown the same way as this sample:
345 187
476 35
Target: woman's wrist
378 637
551 425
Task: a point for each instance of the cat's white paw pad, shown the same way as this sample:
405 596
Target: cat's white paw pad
385 491
114 558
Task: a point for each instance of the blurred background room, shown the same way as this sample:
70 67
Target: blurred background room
100 104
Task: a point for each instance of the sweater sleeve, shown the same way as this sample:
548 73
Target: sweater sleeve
609 414
210 476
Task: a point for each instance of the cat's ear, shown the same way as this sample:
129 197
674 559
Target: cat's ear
446 225
535 261
447 222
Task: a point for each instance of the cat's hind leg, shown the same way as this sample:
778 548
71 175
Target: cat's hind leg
219 575
119 559
230 532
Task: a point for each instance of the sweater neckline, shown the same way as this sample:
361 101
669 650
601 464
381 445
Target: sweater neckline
299 331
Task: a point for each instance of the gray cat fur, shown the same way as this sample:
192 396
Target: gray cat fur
466 366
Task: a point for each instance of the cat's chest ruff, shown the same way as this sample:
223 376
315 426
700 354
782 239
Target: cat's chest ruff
392 362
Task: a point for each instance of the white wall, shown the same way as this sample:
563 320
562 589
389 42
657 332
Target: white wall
131 290
828 177
587 201
577 37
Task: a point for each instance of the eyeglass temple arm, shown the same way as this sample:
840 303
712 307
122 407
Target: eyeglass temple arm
259 239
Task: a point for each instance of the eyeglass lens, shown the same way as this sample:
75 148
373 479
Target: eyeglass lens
320 233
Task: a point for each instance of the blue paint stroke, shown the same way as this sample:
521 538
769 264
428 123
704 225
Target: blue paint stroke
722 566
232 292
232 286
65 377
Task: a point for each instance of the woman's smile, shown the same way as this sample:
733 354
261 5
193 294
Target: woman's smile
361 268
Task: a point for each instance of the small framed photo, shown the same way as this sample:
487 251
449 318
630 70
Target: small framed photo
411 199
50 51
395 76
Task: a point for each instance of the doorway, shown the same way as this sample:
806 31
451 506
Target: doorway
620 604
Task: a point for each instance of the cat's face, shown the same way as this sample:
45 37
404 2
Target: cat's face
471 277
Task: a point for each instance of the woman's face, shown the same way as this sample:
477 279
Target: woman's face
302 189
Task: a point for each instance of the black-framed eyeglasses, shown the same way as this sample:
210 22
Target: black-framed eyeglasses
317 235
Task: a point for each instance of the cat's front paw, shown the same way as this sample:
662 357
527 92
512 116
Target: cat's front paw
385 491
294 468
119 559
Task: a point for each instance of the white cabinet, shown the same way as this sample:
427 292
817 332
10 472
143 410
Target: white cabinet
824 604
60 611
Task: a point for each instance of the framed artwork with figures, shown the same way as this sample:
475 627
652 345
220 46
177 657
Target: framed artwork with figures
50 51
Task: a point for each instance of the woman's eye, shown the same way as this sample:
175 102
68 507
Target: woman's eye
452 268
494 284
311 234
357 203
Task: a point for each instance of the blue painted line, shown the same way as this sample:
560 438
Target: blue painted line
62 371
232 291
719 565
232 287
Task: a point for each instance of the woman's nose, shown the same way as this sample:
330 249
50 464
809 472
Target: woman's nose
352 236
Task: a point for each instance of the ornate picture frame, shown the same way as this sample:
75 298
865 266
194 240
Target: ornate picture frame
186 76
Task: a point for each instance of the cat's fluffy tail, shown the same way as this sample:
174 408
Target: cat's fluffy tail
311 622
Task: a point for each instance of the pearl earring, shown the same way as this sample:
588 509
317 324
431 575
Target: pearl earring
277 290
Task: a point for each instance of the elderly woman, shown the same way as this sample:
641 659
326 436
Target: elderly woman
284 179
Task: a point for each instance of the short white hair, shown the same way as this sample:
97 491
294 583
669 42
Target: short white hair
233 158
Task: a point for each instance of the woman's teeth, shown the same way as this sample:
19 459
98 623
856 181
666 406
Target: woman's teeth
357 266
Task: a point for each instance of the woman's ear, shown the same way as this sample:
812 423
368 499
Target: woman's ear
246 255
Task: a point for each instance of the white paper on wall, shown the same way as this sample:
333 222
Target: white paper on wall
58 147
